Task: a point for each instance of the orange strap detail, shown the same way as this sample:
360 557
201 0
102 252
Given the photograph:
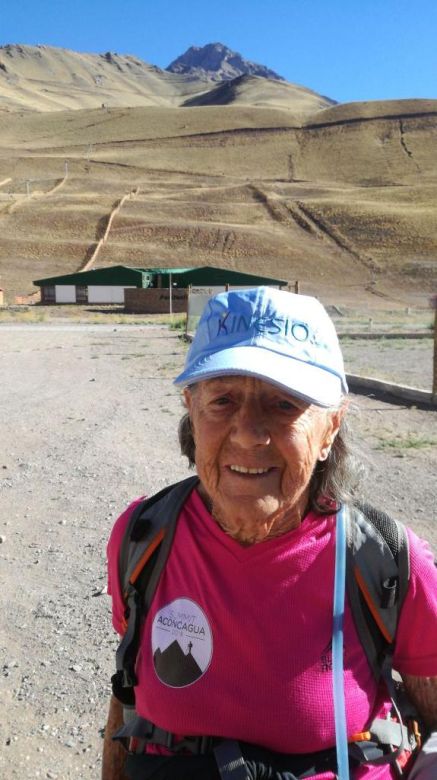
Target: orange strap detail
370 603
361 736
417 733
146 555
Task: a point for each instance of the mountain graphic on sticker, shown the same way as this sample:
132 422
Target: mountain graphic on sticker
176 668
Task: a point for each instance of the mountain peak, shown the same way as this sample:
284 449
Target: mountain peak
217 62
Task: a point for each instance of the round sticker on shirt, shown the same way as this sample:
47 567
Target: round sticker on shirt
181 643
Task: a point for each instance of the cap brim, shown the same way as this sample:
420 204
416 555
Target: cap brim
310 383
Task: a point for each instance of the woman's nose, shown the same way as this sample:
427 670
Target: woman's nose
250 428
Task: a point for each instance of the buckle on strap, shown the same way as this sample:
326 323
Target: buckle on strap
230 761
135 727
386 742
198 746
146 732
389 732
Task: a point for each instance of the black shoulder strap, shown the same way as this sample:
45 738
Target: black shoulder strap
151 516
377 576
143 554
395 535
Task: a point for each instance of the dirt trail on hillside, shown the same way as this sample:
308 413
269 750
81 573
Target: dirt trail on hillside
88 422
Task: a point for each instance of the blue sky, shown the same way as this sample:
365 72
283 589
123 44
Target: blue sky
346 49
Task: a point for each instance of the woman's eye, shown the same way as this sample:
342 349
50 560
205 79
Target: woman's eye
221 401
286 406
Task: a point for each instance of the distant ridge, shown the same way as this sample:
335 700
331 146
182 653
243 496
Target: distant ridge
47 78
258 91
218 63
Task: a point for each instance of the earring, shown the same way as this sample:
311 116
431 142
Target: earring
325 451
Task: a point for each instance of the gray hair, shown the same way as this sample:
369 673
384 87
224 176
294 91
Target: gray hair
333 482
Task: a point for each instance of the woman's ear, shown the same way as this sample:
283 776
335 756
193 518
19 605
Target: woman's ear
334 421
188 399
189 403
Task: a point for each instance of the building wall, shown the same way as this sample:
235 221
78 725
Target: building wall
65 293
156 301
48 295
105 294
70 293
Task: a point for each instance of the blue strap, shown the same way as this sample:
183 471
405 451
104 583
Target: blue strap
337 648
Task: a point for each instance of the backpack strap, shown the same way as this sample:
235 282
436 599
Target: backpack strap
143 554
377 575
395 535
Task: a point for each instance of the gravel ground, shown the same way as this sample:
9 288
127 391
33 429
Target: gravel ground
405 361
88 422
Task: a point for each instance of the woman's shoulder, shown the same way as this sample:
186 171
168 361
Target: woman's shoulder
422 557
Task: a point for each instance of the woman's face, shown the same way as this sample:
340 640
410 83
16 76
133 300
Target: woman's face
256 449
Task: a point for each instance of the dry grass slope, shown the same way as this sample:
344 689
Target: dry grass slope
342 199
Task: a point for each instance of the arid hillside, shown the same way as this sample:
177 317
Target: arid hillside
342 198
46 78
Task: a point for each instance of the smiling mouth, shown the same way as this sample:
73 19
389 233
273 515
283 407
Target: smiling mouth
250 472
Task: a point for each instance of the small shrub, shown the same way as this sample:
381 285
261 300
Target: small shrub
178 323
409 442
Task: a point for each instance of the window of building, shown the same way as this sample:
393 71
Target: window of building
48 294
81 293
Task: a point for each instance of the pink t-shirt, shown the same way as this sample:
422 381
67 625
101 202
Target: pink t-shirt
237 642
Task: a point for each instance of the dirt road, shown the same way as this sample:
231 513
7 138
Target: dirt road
88 422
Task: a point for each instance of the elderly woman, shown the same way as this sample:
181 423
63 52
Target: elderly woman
234 659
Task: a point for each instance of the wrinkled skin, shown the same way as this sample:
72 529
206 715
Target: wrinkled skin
243 422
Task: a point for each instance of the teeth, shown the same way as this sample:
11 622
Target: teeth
243 470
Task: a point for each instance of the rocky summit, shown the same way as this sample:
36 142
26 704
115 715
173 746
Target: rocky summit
218 63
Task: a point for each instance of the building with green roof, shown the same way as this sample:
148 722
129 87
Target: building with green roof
108 285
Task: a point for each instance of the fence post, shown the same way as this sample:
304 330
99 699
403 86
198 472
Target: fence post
188 308
434 373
